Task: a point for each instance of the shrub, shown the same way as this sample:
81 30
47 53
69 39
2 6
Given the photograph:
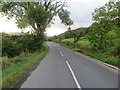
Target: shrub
29 42
24 43
10 48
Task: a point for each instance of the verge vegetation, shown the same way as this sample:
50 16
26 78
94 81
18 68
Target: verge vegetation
104 57
19 57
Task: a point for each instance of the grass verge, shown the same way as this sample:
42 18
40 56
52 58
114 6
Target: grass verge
12 73
104 57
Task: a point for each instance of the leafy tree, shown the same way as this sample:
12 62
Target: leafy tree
37 15
106 20
78 33
97 36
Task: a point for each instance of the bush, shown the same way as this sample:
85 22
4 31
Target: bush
10 48
24 43
29 42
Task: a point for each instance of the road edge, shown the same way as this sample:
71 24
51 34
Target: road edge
88 57
21 80
109 65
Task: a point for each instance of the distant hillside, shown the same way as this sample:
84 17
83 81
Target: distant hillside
70 33
13 33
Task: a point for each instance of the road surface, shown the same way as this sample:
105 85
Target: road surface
64 68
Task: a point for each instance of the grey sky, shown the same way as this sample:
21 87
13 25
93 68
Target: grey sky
80 12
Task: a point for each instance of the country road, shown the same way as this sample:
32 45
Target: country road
64 68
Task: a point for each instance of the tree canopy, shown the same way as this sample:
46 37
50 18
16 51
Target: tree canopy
37 15
106 22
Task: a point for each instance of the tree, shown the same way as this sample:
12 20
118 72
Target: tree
78 33
97 36
106 19
37 15
68 34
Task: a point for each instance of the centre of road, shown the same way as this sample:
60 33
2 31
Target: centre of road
73 75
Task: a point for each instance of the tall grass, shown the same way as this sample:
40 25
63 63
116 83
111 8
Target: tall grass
23 63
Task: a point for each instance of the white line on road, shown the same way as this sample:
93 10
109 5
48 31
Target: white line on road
61 53
74 77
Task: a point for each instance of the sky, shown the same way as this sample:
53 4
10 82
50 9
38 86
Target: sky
80 13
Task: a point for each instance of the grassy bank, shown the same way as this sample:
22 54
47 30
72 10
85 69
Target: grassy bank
104 57
15 71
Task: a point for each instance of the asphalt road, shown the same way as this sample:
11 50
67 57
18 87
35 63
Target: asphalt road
64 68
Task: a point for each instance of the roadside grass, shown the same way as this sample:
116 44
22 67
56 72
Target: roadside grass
12 73
104 57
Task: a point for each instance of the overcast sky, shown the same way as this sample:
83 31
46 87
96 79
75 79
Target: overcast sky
80 13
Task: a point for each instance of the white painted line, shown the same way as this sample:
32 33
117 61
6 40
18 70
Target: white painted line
74 77
61 53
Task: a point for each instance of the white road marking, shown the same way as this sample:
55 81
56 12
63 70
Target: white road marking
74 77
61 53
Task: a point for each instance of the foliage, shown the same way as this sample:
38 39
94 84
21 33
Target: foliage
29 42
104 57
12 73
79 33
37 15
5 62
104 35
64 16
98 36
76 34
23 43
9 47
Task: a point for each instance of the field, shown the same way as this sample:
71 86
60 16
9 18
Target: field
82 42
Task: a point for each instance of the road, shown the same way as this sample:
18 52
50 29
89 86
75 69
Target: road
64 68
